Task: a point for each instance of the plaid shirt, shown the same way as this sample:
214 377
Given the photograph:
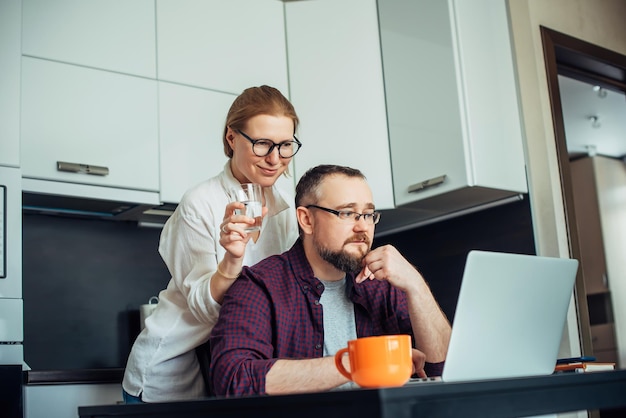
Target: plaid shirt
273 312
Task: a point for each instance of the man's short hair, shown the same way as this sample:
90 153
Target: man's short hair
307 190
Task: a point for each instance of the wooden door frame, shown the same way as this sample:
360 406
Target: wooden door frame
572 57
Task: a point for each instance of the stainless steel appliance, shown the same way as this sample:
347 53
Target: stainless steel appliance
11 303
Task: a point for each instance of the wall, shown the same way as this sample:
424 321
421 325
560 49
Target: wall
597 22
84 280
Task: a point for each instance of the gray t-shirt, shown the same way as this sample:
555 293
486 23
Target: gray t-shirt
339 321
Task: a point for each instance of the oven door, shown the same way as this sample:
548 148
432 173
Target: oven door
10 233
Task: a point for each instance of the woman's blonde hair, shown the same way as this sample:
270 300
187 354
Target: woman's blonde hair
263 100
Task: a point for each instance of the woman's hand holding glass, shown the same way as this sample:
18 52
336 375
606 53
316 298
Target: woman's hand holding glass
233 234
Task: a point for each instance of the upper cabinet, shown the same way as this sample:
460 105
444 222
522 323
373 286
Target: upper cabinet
89 99
419 95
336 82
115 35
10 32
133 95
191 126
222 45
89 127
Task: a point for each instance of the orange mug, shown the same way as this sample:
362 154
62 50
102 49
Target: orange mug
377 361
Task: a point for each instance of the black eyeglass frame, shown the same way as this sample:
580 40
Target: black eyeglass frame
345 215
274 144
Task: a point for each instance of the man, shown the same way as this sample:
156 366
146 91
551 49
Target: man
283 320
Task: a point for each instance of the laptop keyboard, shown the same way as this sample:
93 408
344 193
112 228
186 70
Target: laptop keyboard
420 380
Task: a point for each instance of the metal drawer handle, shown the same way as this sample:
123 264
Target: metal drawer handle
82 168
435 181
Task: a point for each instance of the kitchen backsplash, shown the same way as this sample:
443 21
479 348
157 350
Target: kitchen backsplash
84 279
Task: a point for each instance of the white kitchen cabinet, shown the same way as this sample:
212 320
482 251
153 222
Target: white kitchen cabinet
222 45
335 74
116 35
63 400
419 95
102 121
10 29
191 125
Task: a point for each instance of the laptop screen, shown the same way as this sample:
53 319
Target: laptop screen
510 316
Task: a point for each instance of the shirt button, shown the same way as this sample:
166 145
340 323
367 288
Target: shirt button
306 287
318 346
320 286
317 302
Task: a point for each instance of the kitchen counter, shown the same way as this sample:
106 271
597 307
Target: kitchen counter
490 398
68 377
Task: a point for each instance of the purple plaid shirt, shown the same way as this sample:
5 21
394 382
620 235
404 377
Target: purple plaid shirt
273 312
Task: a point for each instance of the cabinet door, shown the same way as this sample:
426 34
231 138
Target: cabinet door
191 122
117 35
490 112
90 117
222 45
336 82
10 27
451 101
426 136
10 234
416 89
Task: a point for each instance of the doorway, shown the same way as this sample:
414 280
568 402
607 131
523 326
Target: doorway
569 62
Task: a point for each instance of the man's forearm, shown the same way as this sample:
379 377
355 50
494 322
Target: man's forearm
431 328
309 375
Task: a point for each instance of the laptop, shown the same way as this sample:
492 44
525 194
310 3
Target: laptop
509 318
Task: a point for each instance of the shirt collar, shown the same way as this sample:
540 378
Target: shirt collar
307 280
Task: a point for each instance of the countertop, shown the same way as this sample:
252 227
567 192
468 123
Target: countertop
495 398
69 377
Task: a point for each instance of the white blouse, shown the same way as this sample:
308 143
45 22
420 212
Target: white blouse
162 365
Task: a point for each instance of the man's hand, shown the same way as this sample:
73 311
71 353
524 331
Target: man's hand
419 360
431 328
386 263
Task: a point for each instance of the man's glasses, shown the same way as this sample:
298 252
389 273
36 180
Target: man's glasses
346 215
263 147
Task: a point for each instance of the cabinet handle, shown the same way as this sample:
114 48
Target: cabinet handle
418 187
82 168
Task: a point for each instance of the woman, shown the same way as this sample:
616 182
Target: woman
205 246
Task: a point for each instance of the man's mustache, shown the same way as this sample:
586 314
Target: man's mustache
359 238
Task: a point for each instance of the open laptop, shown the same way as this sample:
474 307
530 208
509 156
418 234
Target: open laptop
509 317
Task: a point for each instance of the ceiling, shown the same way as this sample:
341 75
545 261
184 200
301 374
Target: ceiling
581 103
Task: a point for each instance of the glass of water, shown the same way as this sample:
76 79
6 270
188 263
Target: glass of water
251 195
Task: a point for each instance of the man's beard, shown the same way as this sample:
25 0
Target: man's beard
342 260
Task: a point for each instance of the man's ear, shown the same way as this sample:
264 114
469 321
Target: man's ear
305 220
